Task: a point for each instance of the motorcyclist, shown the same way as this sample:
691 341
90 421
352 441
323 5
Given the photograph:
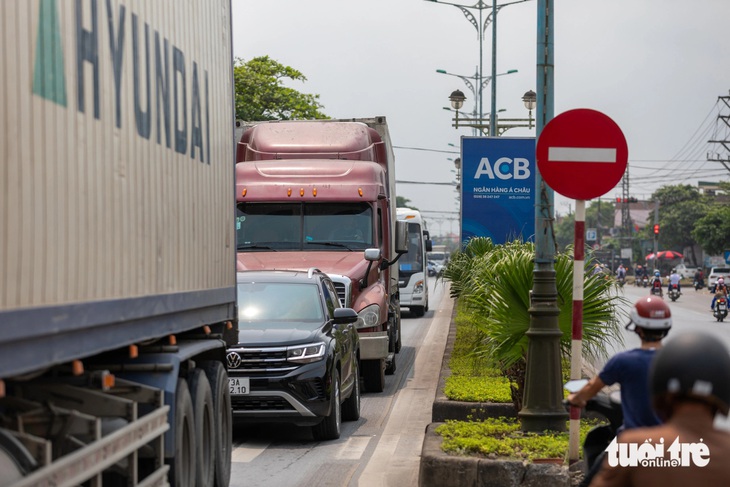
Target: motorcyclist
690 384
639 273
656 283
621 272
718 290
674 279
651 319
699 277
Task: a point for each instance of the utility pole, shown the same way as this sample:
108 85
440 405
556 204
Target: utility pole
542 405
716 157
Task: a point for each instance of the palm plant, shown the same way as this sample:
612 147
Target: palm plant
496 285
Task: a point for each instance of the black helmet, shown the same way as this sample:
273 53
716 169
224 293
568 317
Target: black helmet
693 365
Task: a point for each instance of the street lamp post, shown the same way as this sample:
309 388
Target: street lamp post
476 85
481 27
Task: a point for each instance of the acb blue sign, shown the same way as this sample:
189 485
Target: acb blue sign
498 188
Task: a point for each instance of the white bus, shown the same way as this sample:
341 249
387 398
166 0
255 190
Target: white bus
412 265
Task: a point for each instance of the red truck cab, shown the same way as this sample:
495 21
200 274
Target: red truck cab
321 194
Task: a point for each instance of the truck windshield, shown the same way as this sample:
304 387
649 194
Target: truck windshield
412 262
300 226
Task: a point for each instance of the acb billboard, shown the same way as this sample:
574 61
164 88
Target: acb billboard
498 188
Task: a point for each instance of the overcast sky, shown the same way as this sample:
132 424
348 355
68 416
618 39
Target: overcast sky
656 67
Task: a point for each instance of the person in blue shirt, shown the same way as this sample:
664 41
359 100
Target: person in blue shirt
651 319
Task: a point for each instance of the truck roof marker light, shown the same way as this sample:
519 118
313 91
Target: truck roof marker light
301 191
172 340
314 192
77 367
243 192
133 351
288 192
359 191
108 380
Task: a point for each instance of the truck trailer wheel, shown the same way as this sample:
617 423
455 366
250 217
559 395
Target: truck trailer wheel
182 465
205 441
373 373
222 412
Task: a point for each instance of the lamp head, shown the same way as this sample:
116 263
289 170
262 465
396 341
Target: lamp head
457 99
530 100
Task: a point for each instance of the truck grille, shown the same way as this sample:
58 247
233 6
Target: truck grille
342 286
259 361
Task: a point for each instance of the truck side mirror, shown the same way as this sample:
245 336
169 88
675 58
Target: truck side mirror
372 254
401 237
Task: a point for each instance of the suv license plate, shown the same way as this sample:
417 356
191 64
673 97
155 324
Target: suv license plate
239 385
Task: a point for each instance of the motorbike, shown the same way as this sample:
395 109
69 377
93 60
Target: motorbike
698 285
621 280
599 437
656 288
720 311
673 292
645 281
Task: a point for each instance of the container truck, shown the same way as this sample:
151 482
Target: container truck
321 193
412 266
117 242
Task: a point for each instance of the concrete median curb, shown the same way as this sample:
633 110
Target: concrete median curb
439 469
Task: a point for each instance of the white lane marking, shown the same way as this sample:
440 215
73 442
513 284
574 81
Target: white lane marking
353 448
581 154
247 452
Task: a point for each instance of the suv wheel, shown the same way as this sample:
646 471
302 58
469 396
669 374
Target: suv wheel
329 427
351 406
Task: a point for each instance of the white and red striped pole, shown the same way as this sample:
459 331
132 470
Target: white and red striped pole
576 362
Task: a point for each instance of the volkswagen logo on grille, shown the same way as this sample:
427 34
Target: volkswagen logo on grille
234 360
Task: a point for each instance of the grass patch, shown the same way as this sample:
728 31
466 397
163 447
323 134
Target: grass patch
502 438
472 378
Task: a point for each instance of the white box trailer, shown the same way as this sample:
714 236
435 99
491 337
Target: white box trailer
117 243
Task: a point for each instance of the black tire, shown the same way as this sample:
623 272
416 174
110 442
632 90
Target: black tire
391 365
205 440
351 406
373 374
218 379
329 428
183 463
418 311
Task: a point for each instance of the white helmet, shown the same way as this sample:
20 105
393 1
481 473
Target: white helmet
651 313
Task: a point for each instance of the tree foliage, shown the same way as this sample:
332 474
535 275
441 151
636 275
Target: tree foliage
262 95
712 231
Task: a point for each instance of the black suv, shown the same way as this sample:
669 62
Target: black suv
297 356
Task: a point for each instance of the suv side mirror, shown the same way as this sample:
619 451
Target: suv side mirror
345 315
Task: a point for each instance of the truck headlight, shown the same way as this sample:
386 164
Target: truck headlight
305 354
368 317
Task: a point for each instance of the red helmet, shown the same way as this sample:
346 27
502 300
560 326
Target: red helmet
651 313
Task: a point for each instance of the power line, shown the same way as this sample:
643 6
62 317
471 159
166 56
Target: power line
427 150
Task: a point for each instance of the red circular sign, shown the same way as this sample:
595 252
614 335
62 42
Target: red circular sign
582 154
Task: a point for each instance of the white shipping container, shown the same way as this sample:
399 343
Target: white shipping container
116 179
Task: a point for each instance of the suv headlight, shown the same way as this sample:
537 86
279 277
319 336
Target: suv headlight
305 354
368 317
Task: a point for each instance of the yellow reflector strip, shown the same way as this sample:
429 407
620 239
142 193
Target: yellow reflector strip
77 367
133 351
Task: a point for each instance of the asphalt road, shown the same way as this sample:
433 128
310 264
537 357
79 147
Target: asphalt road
383 447
690 313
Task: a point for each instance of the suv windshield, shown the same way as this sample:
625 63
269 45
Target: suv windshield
279 304
299 226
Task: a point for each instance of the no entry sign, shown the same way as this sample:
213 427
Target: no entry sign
582 154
